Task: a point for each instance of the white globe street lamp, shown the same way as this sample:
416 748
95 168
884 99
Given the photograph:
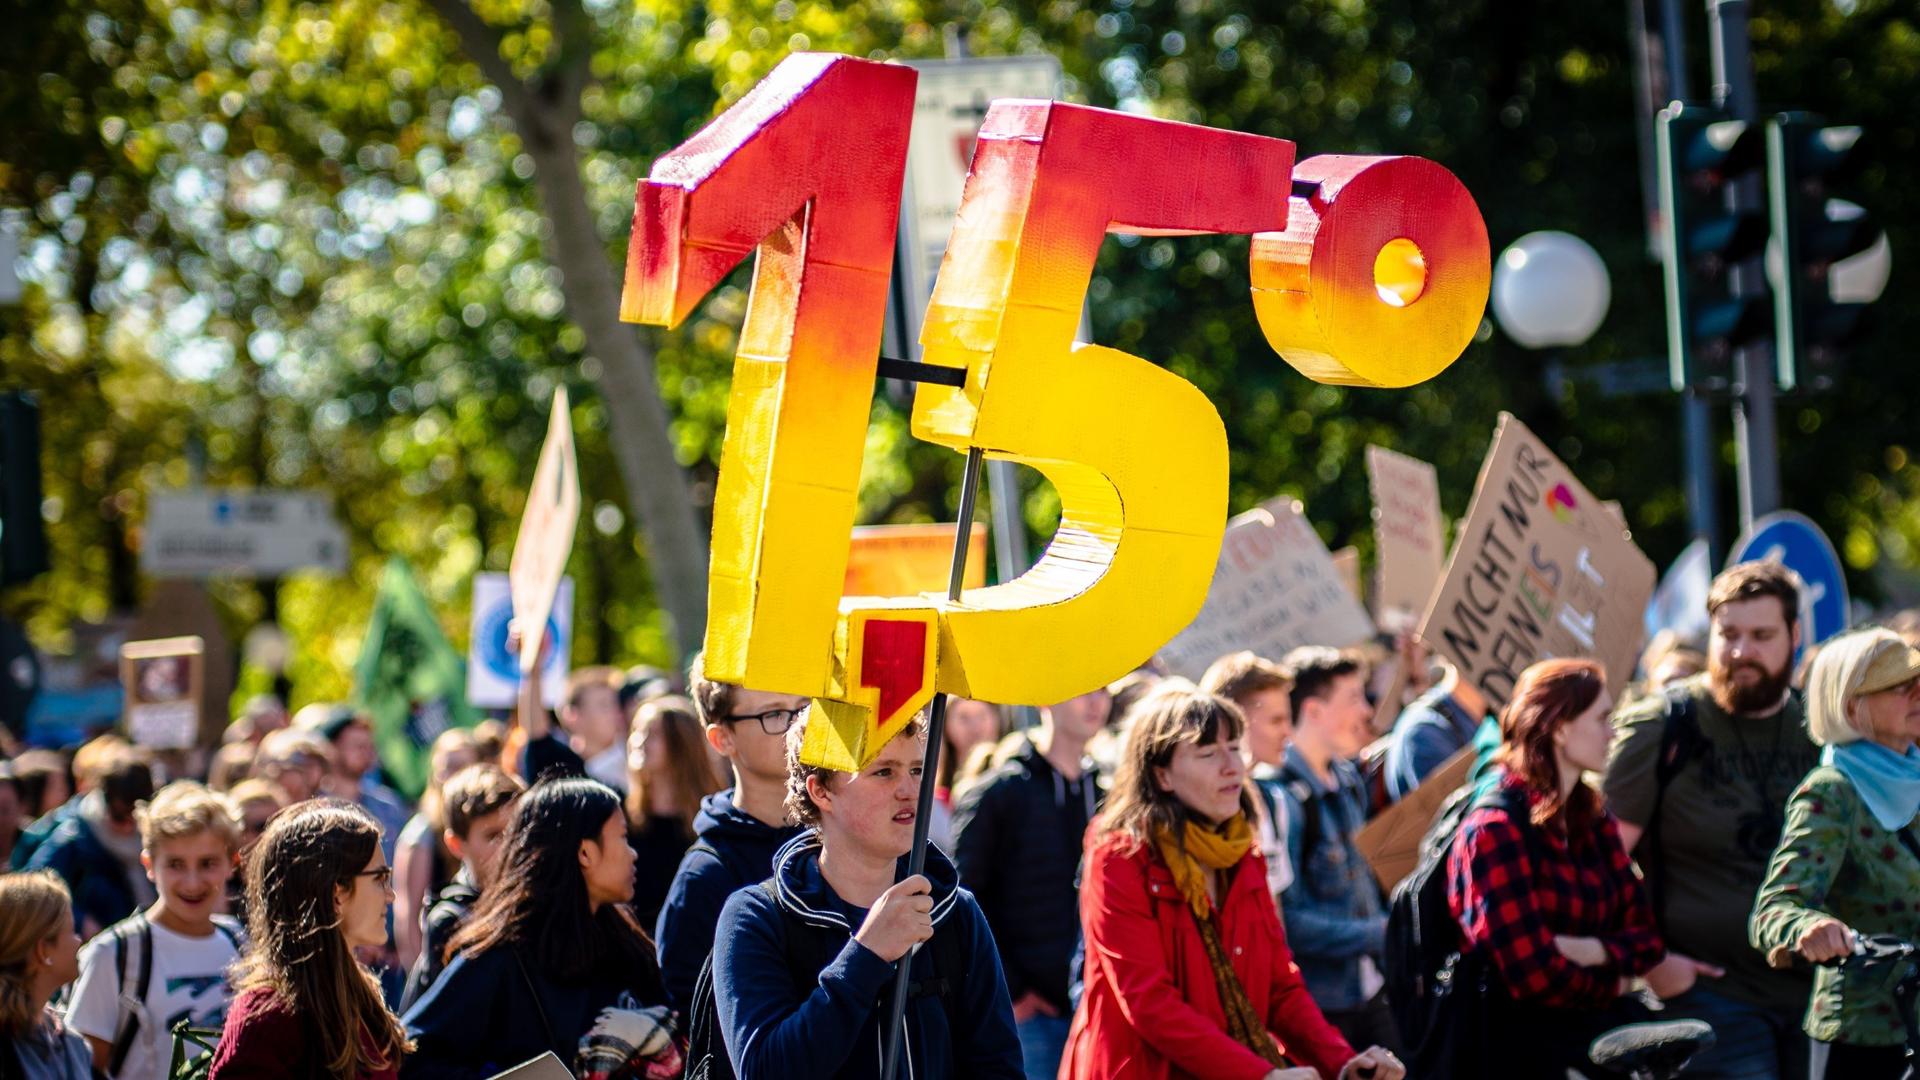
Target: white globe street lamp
1550 290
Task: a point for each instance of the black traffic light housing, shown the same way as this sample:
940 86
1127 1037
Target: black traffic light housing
1806 159
1702 153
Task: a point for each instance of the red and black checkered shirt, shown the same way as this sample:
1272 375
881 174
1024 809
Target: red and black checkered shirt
1585 888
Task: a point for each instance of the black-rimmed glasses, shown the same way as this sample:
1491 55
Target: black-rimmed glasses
773 721
381 875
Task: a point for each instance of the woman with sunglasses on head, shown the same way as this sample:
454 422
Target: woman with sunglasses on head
1848 861
552 958
1188 973
318 887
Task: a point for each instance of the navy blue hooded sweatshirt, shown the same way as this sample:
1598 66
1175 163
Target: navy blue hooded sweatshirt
483 1015
773 1017
734 849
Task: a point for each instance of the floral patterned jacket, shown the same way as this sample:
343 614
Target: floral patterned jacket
1835 859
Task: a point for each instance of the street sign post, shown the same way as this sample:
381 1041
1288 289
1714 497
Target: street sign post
1800 545
201 532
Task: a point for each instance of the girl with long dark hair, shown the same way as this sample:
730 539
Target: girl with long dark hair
552 958
1554 923
318 887
1188 973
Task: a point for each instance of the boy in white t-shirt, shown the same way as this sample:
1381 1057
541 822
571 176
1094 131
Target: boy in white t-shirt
169 962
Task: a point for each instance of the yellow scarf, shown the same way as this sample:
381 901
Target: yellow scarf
1209 849
1205 849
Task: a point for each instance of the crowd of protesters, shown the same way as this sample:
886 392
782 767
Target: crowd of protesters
1155 879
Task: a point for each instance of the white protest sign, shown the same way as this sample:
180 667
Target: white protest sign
1541 569
546 531
493 673
1409 533
1274 589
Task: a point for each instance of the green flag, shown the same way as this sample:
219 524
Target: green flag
410 682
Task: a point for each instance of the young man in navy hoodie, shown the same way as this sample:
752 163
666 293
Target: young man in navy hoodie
804 966
738 829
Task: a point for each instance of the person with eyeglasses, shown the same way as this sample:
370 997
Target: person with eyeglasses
318 887
737 830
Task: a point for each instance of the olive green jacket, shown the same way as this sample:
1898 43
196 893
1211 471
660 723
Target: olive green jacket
1835 859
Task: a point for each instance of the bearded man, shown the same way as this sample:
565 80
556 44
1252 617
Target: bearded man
1699 777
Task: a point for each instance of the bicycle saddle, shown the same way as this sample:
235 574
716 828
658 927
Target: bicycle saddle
1662 1047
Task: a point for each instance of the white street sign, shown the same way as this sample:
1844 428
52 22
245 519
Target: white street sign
948 106
201 532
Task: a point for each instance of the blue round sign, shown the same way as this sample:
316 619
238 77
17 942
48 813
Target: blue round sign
493 640
1798 543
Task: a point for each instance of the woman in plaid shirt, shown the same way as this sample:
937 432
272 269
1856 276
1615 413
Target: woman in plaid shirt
1553 901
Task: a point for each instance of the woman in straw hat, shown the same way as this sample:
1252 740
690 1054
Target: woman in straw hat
1848 861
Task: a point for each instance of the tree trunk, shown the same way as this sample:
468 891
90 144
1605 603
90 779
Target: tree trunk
657 491
656 486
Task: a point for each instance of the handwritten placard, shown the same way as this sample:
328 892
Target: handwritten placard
1541 569
1274 589
1409 533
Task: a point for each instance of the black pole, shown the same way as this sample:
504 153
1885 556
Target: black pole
936 731
1755 430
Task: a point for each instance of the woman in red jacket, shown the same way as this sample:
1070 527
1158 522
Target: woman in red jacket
1188 972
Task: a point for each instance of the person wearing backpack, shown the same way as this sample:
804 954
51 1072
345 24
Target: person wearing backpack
804 966
736 831
1542 888
1017 833
168 963
1188 973
1848 862
477 803
1699 775
1334 911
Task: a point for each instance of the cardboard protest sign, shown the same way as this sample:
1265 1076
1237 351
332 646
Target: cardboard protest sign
1346 563
901 560
546 531
1391 842
1409 533
1540 569
1274 589
162 678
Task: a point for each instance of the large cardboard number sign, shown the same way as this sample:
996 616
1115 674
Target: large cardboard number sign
1369 271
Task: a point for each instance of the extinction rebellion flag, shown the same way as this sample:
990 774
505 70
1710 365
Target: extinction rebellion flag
410 682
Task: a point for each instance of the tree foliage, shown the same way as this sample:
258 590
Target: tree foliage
297 244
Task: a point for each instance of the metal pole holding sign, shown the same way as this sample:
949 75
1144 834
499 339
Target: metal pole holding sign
936 732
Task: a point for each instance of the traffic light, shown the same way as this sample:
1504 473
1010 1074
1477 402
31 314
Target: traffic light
1814 231
1702 154
23 538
